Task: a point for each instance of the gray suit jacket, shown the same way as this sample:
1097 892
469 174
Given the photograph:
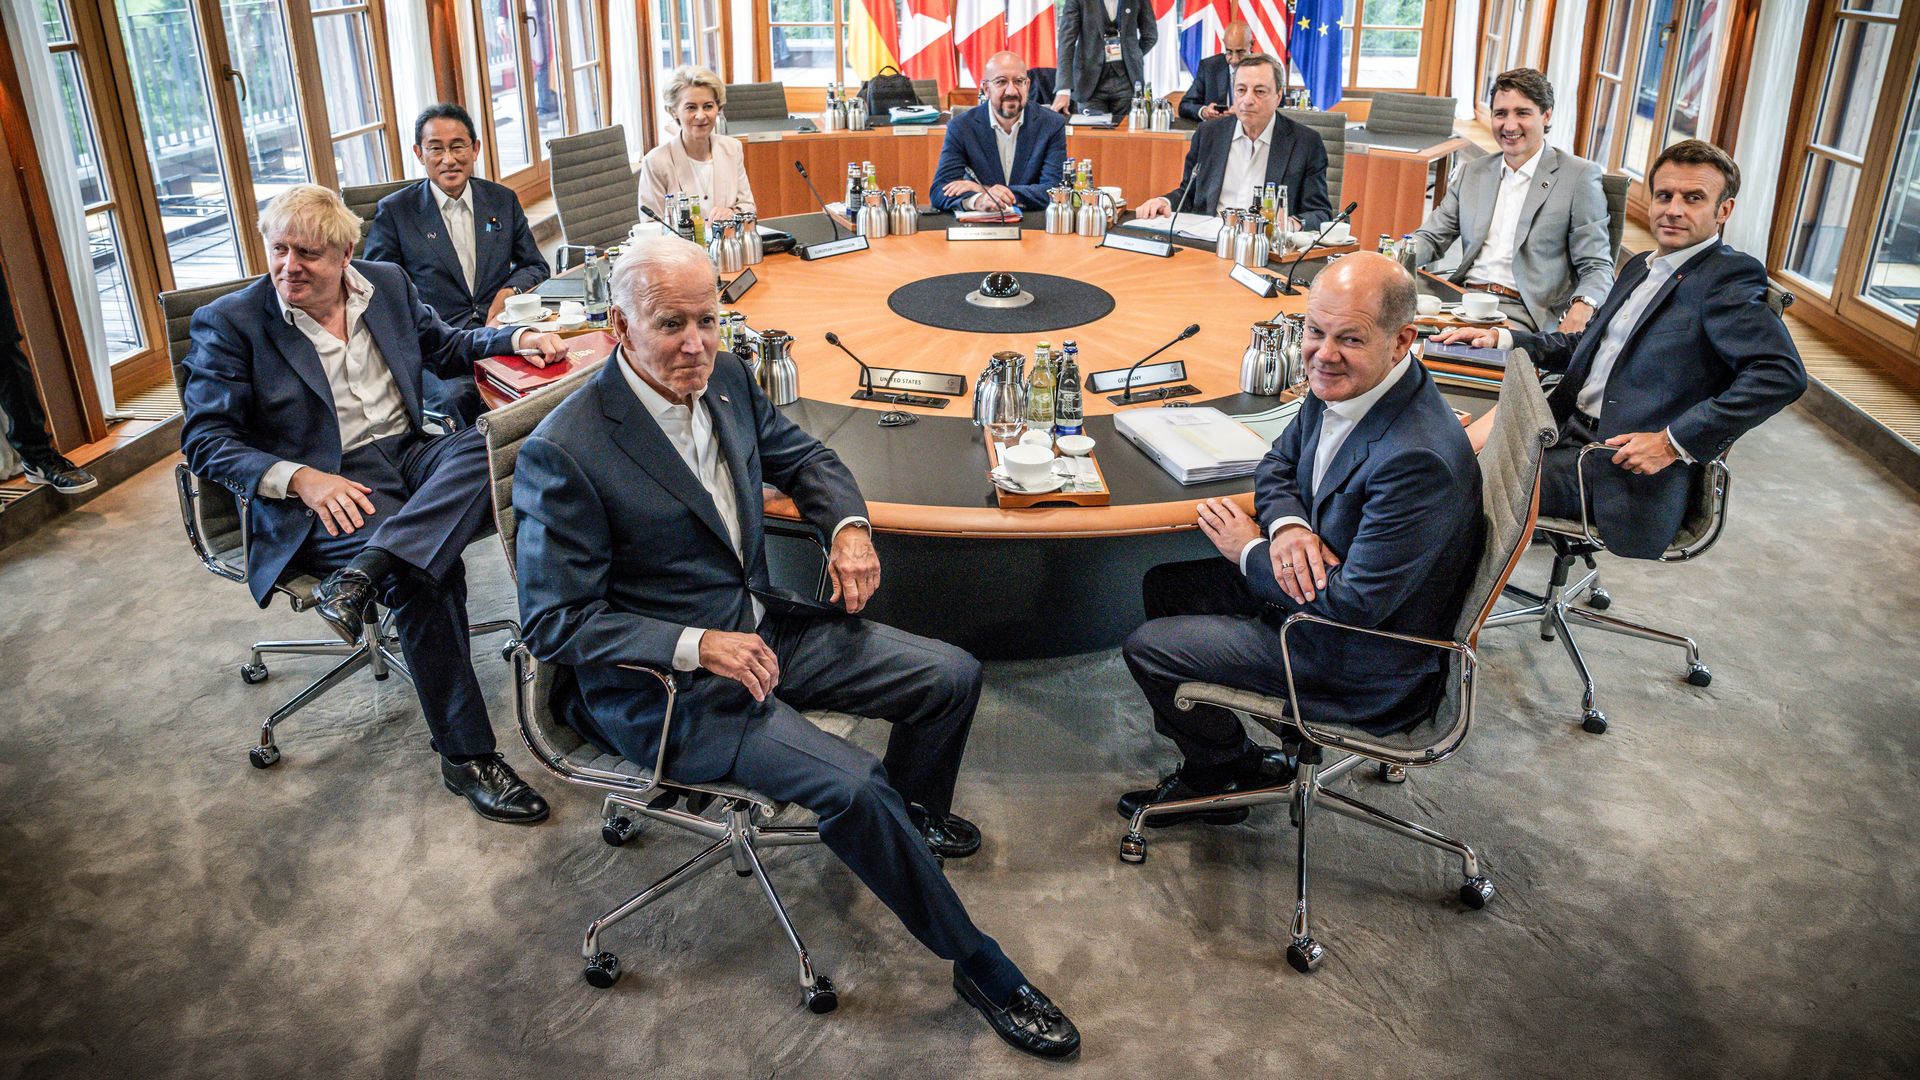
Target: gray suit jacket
1083 49
1561 249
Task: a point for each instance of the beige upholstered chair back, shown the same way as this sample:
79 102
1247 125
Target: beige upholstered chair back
363 199
1411 114
1615 187
756 101
594 186
1332 129
506 429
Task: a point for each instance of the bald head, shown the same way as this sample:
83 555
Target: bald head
1360 314
1005 83
1236 41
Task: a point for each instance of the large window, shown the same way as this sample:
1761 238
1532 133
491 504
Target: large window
545 76
1385 53
1656 71
350 43
1847 229
807 42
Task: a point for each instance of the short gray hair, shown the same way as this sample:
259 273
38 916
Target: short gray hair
310 212
686 78
1260 59
644 259
1399 301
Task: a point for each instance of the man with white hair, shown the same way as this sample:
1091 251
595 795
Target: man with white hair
303 396
641 541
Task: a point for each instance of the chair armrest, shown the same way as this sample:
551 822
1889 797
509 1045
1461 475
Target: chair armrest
1580 476
522 659
666 721
560 260
1468 659
447 421
1718 477
191 496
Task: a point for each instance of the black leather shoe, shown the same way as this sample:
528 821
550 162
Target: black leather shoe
1029 1022
1275 768
950 836
342 600
489 784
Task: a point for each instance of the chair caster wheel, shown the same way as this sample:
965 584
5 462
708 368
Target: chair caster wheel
1476 892
1393 774
1698 675
1305 954
616 831
1133 848
821 998
1595 722
1599 599
253 674
264 757
603 970
507 649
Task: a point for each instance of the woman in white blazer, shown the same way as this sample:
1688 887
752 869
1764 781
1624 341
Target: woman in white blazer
697 161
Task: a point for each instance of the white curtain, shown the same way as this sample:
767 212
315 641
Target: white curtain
410 44
1762 140
1466 55
42 101
626 52
1563 71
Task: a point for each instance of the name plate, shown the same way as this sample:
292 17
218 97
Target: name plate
830 248
910 129
983 232
1257 283
1101 382
1139 244
733 290
927 382
762 136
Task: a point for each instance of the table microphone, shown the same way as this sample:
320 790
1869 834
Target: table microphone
802 170
1127 398
888 396
987 191
1185 190
1288 289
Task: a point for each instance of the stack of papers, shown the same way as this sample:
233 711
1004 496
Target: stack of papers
1195 445
1268 424
1192 226
1091 119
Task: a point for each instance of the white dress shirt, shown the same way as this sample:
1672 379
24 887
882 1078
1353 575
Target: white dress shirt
1005 141
457 214
1246 166
1494 263
689 428
1337 422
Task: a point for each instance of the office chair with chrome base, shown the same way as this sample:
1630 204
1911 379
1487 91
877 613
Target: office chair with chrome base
216 521
1553 610
640 790
1510 477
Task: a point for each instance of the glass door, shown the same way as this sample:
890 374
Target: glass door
1690 100
509 135
1609 81
1644 91
546 76
259 77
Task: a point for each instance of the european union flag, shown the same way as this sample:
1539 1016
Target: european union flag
1316 50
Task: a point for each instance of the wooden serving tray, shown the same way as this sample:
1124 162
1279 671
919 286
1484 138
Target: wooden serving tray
1012 501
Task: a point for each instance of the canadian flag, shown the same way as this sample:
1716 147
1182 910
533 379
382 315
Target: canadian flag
926 42
980 26
1030 31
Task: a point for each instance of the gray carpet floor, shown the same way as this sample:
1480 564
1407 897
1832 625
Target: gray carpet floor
1723 885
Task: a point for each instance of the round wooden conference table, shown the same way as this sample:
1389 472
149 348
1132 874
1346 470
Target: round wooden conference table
1007 583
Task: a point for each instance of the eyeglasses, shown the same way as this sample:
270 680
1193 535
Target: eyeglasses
1001 82
456 149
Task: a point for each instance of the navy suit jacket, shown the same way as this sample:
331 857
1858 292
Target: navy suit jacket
1212 85
1400 506
1039 155
409 232
1297 158
1708 361
255 394
620 549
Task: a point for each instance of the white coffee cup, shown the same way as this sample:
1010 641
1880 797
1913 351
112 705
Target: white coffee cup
1076 445
1338 235
1428 305
1029 466
644 228
1479 305
1036 438
523 306
572 309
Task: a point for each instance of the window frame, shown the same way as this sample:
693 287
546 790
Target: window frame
303 29
1430 65
533 180
763 25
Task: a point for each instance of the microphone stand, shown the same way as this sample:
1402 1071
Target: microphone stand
1174 218
801 168
868 393
1128 398
998 208
1294 267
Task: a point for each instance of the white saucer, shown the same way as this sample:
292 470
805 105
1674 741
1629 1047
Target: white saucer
1006 483
543 315
1492 320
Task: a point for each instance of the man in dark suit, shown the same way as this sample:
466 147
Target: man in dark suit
1101 45
1002 154
641 541
303 396
1233 157
1682 359
1368 514
464 241
1210 95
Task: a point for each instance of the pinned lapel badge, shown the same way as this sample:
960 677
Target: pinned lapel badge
493 224
726 399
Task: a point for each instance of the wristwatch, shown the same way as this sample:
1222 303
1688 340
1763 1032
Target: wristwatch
1587 300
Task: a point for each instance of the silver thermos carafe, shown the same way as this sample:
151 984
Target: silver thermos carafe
856 115
1093 215
986 391
872 221
1229 228
835 116
1260 365
778 375
725 248
1162 111
1139 117
751 248
1059 211
903 217
1251 247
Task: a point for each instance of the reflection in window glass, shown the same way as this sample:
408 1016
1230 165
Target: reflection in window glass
176 118
53 20
544 46
346 65
803 55
503 86
1820 221
362 158
1600 133
1389 58
1646 91
583 31
1692 90
80 133
1852 86
1893 275
124 335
